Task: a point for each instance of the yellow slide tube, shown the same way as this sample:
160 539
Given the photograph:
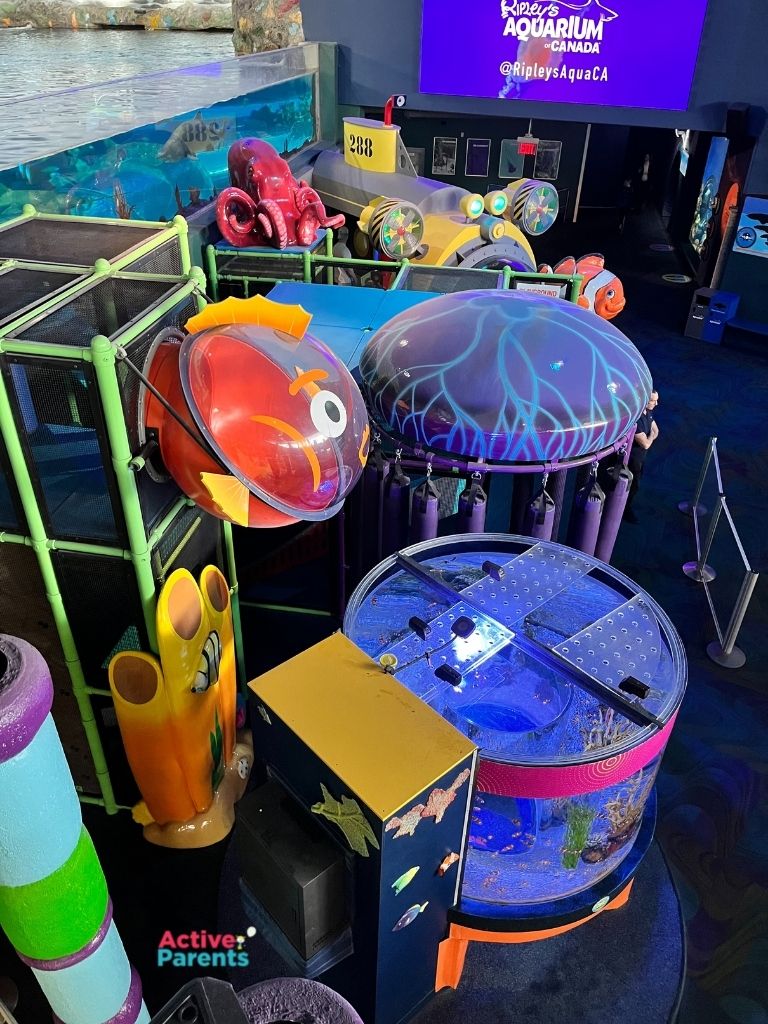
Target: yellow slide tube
138 689
182 634
215 591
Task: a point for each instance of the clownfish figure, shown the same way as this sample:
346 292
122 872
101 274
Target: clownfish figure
601 291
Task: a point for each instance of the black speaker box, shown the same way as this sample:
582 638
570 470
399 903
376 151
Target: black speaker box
294 870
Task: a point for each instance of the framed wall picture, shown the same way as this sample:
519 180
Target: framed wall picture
547 160
418 158
478 158
444 156
511 163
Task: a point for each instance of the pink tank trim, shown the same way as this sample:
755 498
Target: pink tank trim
551 782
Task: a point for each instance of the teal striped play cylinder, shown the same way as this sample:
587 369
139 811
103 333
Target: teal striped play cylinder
54 903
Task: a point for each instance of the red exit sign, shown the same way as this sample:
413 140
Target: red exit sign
527 145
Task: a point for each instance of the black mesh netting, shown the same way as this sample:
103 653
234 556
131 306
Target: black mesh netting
55 411
106 308
165 259
25 612
192 541
70 243
21 288
447 280
102 601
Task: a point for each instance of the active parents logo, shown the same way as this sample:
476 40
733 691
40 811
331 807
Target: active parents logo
203 949
567 28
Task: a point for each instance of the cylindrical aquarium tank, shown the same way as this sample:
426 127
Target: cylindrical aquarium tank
564 672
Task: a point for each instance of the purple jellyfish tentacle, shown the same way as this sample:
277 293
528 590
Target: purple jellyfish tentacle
396 510
585 516
522 493
425 512
540 515
374 475
613 510
556 485
473 503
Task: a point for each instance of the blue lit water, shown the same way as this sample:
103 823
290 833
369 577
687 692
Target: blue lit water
37 62
144 147
158 170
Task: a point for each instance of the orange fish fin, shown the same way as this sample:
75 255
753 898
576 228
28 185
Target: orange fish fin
228 495
583 302
592 259
544 268
566 266
292 320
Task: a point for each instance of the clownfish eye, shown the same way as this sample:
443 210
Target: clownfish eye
610 293
328 414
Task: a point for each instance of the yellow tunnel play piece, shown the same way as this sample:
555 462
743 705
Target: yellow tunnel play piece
138 688
215 592
189 656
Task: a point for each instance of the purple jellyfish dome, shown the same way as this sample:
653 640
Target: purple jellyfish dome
504 376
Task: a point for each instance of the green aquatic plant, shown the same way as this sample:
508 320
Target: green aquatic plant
578 819
217 753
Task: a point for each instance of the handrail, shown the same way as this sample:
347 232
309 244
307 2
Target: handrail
723 651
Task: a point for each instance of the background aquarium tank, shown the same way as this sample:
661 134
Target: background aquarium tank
566 675
152 146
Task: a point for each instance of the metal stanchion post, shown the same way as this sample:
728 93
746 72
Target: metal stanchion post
728 654
699 570
691 508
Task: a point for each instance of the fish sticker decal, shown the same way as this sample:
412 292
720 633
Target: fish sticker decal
438 802
601 291
405 879
447 862
410 916
195 136
209 665
350 819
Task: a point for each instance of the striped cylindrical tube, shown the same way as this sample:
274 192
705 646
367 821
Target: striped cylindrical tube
54 904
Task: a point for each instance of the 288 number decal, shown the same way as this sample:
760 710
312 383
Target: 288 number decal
360 145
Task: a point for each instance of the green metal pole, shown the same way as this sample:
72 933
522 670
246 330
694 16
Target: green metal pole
103 356
290 609
159 531
237 625
575 288
507 275
213 276
329 253
68 545
40 545
197 277
186 257
403 268
307 260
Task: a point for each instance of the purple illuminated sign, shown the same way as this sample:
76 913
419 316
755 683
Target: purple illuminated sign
624 53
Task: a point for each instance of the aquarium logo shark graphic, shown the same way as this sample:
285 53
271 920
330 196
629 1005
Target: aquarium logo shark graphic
556 21
593 10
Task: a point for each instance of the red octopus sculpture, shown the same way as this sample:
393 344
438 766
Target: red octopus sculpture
266 205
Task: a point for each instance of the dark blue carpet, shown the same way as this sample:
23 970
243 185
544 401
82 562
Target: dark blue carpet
624 966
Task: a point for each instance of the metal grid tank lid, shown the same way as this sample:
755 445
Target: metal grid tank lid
538 653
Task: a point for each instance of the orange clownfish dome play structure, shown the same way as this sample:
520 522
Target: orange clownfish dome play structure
267 425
